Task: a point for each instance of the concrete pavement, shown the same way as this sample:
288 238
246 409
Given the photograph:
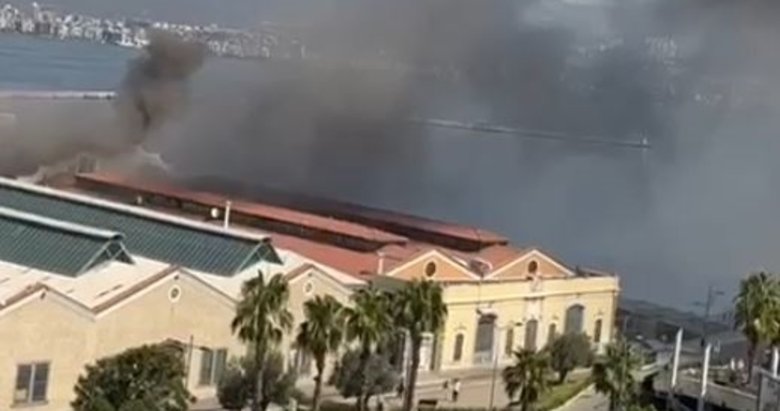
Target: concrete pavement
588 400
475 392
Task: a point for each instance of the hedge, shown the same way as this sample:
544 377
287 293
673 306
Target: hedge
559 395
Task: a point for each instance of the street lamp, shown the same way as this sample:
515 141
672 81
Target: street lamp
496 338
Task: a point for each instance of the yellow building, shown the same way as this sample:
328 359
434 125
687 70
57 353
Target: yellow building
82 278
521 305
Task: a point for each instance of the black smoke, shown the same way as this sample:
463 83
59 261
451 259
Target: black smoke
696 78
153 92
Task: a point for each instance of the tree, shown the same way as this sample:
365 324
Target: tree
235 388
755 307
320 334
568 352
261 321
613 375
419 309
151 376
381 376
368 322
527 376
277 385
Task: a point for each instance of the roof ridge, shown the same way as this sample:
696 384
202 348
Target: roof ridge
137 211
70 227
258 208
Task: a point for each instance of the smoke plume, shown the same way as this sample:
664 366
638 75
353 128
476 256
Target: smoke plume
698 79
153 92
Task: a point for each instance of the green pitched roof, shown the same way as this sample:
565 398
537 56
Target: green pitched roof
54 246
149 234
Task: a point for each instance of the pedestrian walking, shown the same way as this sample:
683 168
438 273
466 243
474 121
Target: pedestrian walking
455 389
445 390
400 389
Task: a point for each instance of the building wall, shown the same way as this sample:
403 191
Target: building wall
444 269
302 288
514 304
44 329
54 330
199 316
521 268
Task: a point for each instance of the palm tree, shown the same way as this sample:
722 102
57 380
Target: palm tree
261 321
756 303
320 334
419 309
528 376
613 375
369 323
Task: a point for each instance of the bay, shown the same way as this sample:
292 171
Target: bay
34 63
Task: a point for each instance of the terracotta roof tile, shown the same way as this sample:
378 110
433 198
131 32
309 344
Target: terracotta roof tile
361 264
356 263
393 221
256 209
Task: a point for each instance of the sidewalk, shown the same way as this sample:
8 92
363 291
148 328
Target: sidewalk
429 385
475 390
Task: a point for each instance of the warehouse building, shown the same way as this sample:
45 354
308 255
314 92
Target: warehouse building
107 264
500 297
83 279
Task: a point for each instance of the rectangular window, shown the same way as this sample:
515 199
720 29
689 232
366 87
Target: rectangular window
32 381
530 335
212 366
551 334
220 361
458 353
206 366
597 331
509 345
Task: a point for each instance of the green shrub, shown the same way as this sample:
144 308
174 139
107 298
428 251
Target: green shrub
301 397
337 406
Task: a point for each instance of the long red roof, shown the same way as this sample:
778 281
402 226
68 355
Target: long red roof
415 227
394 249
255 209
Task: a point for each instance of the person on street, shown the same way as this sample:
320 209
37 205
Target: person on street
455 390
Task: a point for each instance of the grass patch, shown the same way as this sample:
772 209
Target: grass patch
557 395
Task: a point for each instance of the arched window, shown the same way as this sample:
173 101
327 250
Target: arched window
531 328
597 331
551 333
574 316
458 353
509 345
484 340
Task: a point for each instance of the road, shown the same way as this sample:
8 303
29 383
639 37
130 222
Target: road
589 400
473 394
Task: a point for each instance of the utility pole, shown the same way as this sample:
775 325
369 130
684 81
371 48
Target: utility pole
705 370
712 293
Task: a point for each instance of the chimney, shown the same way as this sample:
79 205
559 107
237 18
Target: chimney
380 269
226 220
